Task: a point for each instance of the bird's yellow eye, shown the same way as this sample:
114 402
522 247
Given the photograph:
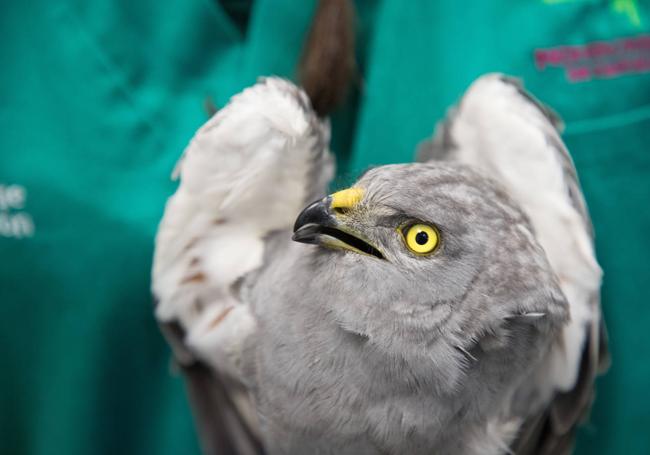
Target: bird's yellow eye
421 238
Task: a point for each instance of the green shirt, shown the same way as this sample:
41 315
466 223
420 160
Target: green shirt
97 101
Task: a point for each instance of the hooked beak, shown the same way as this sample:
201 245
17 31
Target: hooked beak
318 224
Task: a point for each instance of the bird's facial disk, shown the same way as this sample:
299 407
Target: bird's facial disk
326 223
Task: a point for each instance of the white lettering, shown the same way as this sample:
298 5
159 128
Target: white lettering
12 197
18 226
12 223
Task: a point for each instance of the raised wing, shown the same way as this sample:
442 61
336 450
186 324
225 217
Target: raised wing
502 130
247 172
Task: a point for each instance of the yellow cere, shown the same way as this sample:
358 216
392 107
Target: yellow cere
346 199
421 238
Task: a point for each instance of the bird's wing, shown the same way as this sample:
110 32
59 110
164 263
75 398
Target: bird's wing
502 130
247 172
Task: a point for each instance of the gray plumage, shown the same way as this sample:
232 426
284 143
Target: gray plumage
353 343
406 354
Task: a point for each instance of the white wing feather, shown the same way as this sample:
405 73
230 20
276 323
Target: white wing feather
248 171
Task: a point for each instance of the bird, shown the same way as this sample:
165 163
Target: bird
450 305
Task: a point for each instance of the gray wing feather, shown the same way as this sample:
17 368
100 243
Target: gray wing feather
441 146
221 422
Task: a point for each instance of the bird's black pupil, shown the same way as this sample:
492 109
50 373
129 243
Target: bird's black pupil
421 238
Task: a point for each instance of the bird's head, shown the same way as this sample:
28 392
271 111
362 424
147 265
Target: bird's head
417 253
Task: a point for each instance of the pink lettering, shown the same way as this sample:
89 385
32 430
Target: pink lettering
598 59
578 74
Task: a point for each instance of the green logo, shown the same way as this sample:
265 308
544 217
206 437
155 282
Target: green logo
629 8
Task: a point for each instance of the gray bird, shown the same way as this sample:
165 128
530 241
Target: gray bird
449 306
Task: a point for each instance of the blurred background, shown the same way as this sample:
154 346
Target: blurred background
99 98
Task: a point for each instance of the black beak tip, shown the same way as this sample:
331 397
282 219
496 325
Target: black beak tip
315 213
308 233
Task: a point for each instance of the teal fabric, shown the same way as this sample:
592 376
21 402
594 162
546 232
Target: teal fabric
97 101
